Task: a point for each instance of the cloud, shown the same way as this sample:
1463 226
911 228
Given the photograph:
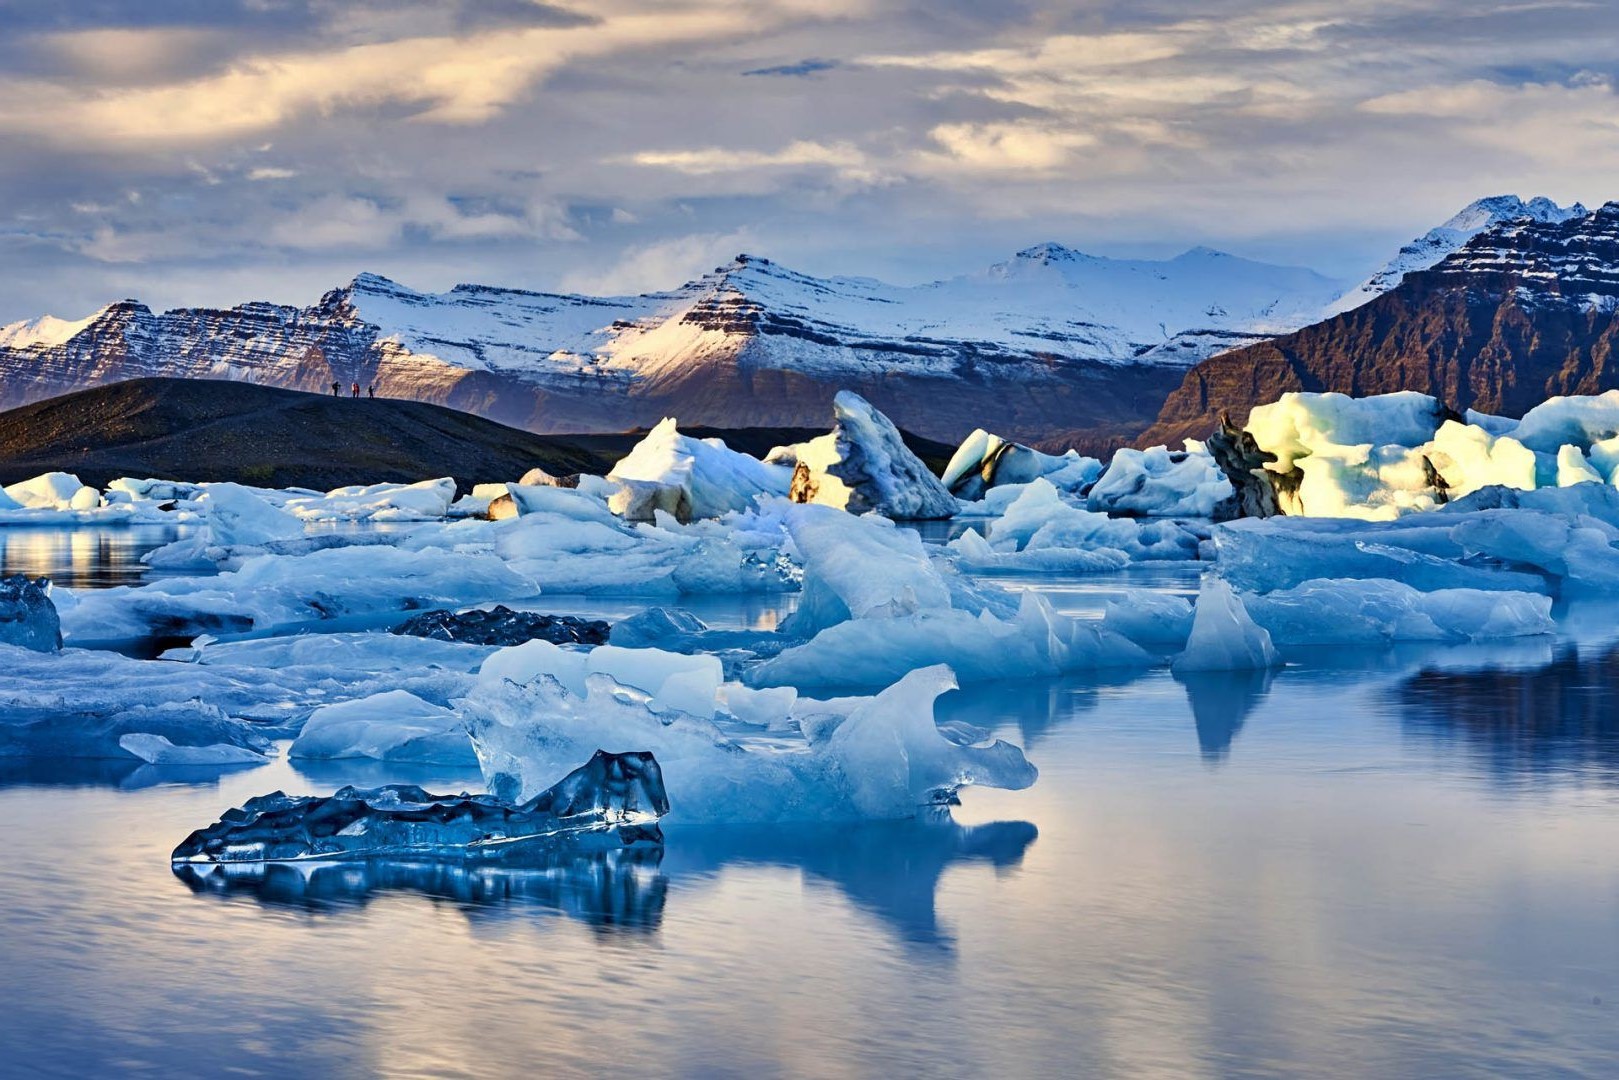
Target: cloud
660 265
716 159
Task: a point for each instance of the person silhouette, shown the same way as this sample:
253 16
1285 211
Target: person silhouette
372 389
337 389
356 390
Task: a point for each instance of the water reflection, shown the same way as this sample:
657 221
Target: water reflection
1555 721
890 869
85 556
610 890
1221 701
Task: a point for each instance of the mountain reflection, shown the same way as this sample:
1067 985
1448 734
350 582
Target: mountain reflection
1558 720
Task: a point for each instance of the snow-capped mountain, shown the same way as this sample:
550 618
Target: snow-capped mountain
1523 311
1051 339
1434 245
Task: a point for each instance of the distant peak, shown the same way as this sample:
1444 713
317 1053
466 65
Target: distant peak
1202 252
1499 209
366 281
1050 252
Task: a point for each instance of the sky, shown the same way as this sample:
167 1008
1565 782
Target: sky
206 152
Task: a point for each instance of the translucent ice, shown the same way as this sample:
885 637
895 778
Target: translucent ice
1376 612
614 800
391 726
27 616
880 757
1224 637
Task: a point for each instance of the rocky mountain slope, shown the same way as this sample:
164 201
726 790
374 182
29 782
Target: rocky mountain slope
1521 312
1051 339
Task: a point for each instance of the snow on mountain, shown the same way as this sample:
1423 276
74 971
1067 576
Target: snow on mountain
1051 339
1433 246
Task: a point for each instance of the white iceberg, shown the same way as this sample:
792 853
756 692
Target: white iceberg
712 478
1159 482
984 461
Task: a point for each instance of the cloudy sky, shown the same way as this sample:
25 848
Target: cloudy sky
210 151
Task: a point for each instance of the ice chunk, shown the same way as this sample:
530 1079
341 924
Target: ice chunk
52 491
613 800
393 726
984 461
713 478
884 758
156 750
1041 531
1577 421
1150 619
859 567
426 500
1224 637
1159 482
274 591
864 465
27 616
236 516
679 681
1573 468
979 647
1376 612
1297 425
36 725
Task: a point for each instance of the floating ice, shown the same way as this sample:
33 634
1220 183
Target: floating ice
238 517
27 616
862 464
1376 612
984 461
426 500
1224 637
612 801
1159 482
274 591
713 478
880 757
1150 619
157 750
52 491
392 726
1040 531
679 681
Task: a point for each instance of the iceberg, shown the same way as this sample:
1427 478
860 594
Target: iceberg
238 517
157 750
712 478
425 500
679 681
52 491
1152 620
277 591
1040 531
1224 637
1160 482
162 732
395 725
27 616
1378 612
877 757
863 465
984 461
612 801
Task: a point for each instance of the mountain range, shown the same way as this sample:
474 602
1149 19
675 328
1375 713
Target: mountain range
1051 340
1522 311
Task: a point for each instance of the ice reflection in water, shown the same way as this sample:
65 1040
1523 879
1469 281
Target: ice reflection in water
86 556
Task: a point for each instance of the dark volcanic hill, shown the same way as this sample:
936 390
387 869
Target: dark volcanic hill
198 429
211 430
1520 313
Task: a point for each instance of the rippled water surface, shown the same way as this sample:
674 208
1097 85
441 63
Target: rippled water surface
1378 864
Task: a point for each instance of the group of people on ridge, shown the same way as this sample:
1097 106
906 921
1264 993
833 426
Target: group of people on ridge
337 389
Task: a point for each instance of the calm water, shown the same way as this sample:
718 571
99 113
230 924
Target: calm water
1367 864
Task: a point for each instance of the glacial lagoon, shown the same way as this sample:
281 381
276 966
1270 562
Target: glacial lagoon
1369 862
